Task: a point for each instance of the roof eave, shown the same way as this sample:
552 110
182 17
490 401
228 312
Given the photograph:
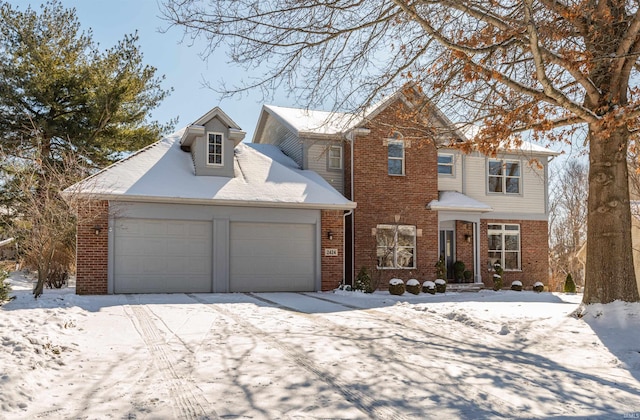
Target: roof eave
239 203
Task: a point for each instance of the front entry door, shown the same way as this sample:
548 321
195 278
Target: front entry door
446 248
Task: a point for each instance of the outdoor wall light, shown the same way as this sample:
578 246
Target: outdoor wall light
467 238
97 228
330 235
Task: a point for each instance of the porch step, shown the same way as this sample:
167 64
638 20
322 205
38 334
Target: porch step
464 287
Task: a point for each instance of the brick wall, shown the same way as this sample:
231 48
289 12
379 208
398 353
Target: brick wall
332 267
464 249
534 248
92 249
381 196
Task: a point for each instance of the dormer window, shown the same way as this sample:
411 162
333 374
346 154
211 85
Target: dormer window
214 148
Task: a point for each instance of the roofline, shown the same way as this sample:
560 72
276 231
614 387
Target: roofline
240 203
462 209
216 111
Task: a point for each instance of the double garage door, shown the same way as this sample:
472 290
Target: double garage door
175 256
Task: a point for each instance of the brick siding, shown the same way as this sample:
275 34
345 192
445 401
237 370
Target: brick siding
464 249
91 249
381 196
534 248
332 267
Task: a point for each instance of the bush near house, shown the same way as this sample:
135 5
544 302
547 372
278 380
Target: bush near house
396 287
413 286
363 281
538 287
497 276
429 287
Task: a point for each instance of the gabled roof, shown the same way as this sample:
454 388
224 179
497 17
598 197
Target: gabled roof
455 201
162 172
331 124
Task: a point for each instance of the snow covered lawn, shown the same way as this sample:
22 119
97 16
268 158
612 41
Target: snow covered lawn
316 355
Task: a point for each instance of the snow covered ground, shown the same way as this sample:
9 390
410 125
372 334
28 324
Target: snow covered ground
317 355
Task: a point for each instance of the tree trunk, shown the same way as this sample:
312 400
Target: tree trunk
609 270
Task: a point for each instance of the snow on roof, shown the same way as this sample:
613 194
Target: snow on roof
163 172
274 152
311 121
453 200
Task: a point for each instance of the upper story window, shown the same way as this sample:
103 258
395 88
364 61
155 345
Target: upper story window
214 148
396 246
395 152
504 245
504 176
335 157
445 164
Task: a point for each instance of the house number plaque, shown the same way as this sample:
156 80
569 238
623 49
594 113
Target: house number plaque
330 252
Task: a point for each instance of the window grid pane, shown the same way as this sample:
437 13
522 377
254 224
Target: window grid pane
395 154
504 246
396 246
215 149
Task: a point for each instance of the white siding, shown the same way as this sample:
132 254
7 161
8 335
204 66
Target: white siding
531 201
317 161
275 133
452 182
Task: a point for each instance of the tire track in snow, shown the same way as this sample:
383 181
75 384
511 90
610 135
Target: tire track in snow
380 316
189 402
371 407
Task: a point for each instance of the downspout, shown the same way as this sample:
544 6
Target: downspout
344 247
351 137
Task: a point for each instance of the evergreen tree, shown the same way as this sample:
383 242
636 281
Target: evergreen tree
66 107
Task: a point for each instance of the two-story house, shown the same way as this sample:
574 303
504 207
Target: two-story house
419 198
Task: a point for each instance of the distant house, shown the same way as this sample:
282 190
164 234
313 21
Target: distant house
199 211
417 197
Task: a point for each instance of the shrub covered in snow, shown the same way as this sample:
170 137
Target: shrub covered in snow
497 276
363 281
516 285
441 285
429 287
413 286
538 286
396 287
569 284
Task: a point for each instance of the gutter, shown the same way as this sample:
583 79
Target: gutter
239 203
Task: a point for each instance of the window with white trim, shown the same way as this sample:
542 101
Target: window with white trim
504 245
395 152
335 157
396 246
214 148
445 164
504 176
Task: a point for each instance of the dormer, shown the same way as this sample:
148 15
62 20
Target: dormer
211 140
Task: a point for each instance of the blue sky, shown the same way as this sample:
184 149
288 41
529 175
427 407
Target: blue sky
184 70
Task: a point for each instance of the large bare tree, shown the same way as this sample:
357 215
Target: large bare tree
560 70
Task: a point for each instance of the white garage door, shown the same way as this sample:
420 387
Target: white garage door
272 257
162 256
